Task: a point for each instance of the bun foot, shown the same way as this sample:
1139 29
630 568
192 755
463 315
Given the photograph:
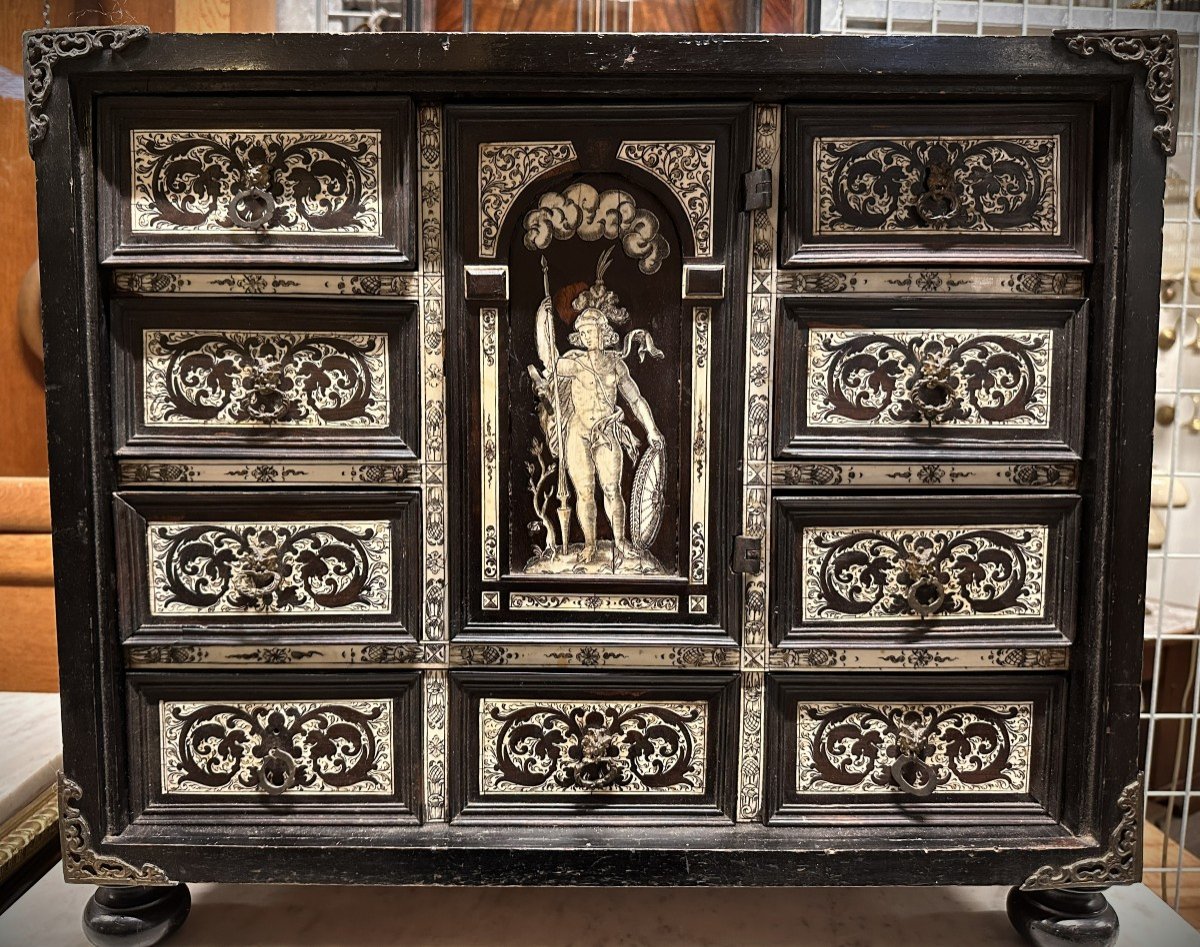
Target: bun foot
135 916
1064 918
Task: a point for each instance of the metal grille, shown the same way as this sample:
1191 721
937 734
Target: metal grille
1171 699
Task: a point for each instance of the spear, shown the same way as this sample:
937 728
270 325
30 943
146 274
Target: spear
564 506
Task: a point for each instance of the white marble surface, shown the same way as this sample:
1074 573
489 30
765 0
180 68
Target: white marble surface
279 916
30 748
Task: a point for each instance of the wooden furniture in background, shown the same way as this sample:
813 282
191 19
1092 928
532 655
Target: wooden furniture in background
28 656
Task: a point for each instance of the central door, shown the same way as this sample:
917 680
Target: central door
597 371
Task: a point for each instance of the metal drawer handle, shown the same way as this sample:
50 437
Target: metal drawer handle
934 391
924 780
277 774
264 398
594 754
940 202
255 575
926 594
253 207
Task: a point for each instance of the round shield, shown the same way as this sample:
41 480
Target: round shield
646 504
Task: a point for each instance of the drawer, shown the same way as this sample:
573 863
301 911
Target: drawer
913 750
240 746
198 563
929 381
294 180
937 182
949 569
593 747
265 377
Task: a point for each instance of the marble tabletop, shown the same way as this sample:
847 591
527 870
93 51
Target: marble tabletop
30 748
282 916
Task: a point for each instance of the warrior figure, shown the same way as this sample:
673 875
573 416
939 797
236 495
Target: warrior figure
581 410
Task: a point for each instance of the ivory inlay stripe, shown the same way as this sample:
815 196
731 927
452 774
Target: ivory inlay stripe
701 424
266 283
538 602
489 427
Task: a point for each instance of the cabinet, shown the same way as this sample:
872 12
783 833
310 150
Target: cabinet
729 457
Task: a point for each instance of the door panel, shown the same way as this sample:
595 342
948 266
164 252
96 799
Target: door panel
599 257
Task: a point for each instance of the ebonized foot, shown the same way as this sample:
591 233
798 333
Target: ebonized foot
1063 918
135 916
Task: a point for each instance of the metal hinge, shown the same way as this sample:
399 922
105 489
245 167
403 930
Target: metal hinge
759 192
747 554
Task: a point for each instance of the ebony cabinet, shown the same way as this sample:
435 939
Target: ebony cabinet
731 458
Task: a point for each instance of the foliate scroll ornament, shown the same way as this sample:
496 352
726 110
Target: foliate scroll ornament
225 378
1121 864
1158 51
277 747
686 167
81 862
304 181
289 568
570 747
874 748
951 184
506 168
917 377
44 48
898 573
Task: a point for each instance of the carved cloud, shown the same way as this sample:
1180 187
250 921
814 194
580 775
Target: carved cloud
595 215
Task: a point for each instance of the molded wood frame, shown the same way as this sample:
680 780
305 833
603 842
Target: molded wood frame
1103 686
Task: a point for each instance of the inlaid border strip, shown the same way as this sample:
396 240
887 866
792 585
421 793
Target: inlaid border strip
308 654
1063 476
592 602
701 422
760 323
566 655
919 659
489 432
434 630
911 282
141 282
260 472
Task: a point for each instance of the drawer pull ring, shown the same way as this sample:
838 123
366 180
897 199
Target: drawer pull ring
277 774
926 594
594 756
924 780
940 202
934 392
253 207
265 401
256 574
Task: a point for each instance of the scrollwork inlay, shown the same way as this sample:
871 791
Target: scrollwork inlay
307 181
298 748
506 168
686 167
919 377
227 378
972 749
531 746
948 183
902 573
272 568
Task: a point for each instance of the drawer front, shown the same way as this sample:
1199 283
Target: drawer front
251 745
959 748
588 746
261 376
948 569
269 562
283 178
937 182
928 382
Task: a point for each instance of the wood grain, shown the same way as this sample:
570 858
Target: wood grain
24 505
23 418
